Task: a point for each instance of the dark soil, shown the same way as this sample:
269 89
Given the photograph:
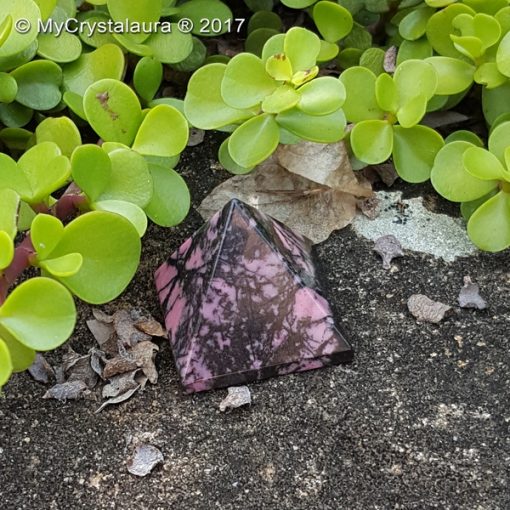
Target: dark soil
420 420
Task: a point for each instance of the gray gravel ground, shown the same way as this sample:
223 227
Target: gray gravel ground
420 420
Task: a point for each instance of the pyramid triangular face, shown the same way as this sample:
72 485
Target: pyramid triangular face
242 302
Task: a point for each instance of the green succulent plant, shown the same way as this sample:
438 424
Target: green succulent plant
479 179
267 100
386 111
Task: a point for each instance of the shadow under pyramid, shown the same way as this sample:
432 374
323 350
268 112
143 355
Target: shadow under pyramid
242 303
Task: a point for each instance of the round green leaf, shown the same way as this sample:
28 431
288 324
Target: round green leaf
195 59
328 51
6 250
91 169
164 132
63 48
110 247
147 77
360 103
228 163
265 19
468 208
333 21
488 74
464 135
495 101
301 46
489 225
373 59
315 128
8 88
246 82
5 28
130 211
415 77
256 40
17 10
5 363
386 93
12 178
283 98
413 161
141 11
60 130
170 47
95 38
412 111
39 313
254 140
204 106
419 49
15 115
39 84
450 179
171 199
218 14
130 179
273 46
22 357
66 265
413 26
453 75
105 62
321 96
9 211
113 111
499 140
482 164
279 67
372 141
45 233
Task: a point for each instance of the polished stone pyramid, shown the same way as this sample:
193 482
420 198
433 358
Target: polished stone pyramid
242 303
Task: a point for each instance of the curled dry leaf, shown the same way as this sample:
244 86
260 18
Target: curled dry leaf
119 384
104 333
144 459
118 365
427 310
390 59
147 324
307 204
70 390
119 399
78 367
124 325
144 355
237 396
469 296
41 370
388 247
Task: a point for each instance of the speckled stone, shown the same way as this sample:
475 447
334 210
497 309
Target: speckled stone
242 302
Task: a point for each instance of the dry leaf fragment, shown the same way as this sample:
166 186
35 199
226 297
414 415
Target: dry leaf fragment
125 329
469 296
237 396
118 365
118 400
104 333
144 355
70 390
102 316
41 370
388 247
144 459
369 207
120 384
77 367
390 59
147 324
97 361
427 310
196 137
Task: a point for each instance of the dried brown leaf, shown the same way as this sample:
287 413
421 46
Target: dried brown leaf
104 333
77 367
196 137
469 296
102 316
127 333
118 400
390 59
144 355
369 207
146 323
144 459
237 396
427 310
70 390
118 365
120 384
41 370
388 247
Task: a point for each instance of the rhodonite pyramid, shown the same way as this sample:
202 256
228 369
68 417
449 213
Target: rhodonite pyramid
242 302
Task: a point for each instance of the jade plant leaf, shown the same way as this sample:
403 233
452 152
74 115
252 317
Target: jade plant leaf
278 66
372 141
147 77
328 128
8 88
16 10
60 130
322 96
164 132
5 28
39 313
105 62
333 21
386 93
228 163
141 11
204 106
451 180
9 211
499 140
91 170
489 226
413 161
171 201
169 47
45 233
217 13
110 247
67 265
484 165
113 110
414 24
130 211
5 363
302 48
6 250
46 7
254 141
468 208
283 98
39 84
453 75
246 82
21 356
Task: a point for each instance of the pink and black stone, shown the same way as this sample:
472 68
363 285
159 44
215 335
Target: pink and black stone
242 303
